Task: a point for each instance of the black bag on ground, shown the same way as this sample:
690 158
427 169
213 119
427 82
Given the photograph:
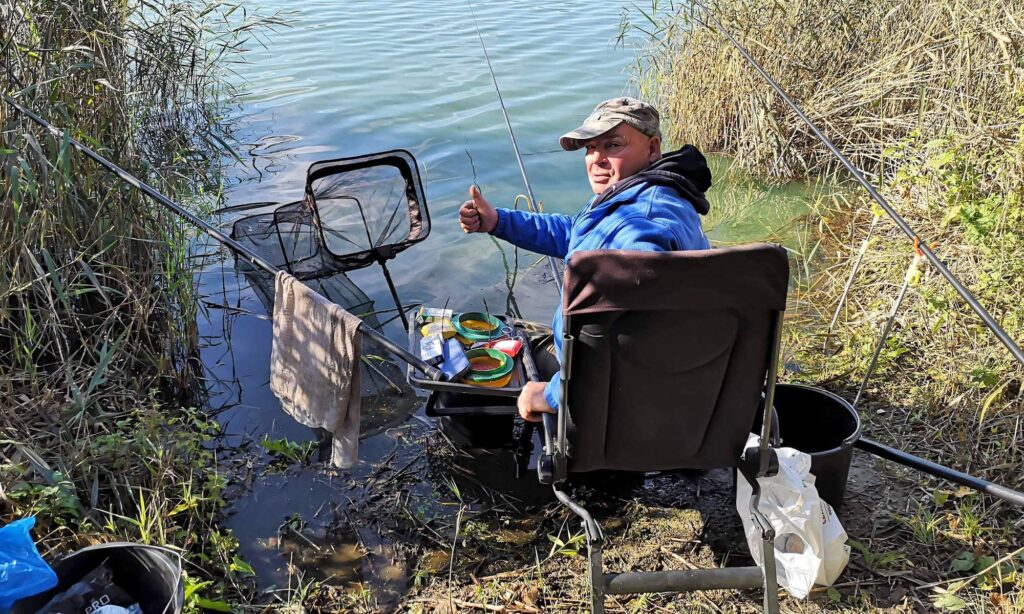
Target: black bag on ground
95 590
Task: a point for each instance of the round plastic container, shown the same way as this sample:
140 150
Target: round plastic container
149 573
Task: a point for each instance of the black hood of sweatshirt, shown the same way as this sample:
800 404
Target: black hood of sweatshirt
685 169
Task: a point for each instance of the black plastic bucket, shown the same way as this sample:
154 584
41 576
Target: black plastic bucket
823 425
150 574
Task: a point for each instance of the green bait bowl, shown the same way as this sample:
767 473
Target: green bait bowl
475 326
482 363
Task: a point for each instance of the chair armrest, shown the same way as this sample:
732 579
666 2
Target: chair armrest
549 425
546 462
750 463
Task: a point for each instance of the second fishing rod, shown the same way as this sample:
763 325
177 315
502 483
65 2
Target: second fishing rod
532 201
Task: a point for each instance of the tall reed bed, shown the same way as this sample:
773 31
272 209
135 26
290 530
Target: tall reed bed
97 306
870 74
927 98
93 283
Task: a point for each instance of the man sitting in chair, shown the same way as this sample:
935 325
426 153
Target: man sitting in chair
644 201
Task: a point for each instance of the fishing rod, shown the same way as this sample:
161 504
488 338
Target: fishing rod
248 255
515 146
882 451
957 477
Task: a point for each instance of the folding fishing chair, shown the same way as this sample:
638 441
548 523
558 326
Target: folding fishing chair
665 359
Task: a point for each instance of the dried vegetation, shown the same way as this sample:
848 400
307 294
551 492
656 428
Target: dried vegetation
927 99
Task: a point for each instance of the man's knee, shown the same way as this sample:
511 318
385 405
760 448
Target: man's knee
545 356
542 345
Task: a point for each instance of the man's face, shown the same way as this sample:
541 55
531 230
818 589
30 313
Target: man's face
617 154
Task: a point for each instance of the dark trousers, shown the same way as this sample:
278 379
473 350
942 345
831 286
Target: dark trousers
545 356
542 343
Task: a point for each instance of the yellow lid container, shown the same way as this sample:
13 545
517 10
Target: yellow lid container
441 327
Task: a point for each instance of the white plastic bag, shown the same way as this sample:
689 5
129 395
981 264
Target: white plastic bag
810 543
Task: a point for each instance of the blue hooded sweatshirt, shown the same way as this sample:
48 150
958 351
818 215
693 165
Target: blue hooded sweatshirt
652 211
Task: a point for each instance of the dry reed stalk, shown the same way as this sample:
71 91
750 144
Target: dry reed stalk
868 74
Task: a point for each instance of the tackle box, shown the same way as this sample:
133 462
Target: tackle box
458 398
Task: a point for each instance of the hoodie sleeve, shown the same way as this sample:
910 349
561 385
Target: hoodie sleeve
552 390
544 233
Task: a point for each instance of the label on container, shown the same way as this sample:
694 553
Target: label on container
429 314
432 349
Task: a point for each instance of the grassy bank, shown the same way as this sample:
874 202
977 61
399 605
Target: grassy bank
927 98
97 306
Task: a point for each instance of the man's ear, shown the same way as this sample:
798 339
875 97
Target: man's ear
654 149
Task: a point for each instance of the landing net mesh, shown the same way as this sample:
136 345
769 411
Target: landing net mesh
356 211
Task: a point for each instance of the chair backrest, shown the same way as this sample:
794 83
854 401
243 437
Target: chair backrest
670 354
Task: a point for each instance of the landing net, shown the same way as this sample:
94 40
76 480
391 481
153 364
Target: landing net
356 212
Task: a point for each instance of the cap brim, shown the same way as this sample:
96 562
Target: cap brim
571 141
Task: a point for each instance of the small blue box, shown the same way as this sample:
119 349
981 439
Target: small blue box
455 363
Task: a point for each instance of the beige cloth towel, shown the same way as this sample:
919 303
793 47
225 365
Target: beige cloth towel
314 364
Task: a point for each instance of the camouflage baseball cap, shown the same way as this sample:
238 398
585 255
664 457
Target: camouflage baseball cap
611 113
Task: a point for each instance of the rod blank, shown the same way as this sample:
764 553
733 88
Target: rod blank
512 135
867 445
964 293
934 469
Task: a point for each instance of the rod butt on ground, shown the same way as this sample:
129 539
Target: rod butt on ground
934 469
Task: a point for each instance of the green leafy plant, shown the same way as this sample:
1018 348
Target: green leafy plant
290 451
570 547
876 560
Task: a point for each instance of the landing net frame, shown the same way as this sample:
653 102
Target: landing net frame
356 211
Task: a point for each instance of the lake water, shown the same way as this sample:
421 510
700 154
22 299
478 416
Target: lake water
349 78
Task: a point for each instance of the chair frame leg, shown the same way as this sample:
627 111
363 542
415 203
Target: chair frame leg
768 568
771 583
595 563
599 581
762 461
595 540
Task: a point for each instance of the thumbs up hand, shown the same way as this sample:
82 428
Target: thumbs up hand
476 214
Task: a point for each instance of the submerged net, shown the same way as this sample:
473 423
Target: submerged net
356 211
386 396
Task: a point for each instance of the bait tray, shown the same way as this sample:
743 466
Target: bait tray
515 385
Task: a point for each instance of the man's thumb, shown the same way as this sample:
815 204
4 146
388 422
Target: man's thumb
474 193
